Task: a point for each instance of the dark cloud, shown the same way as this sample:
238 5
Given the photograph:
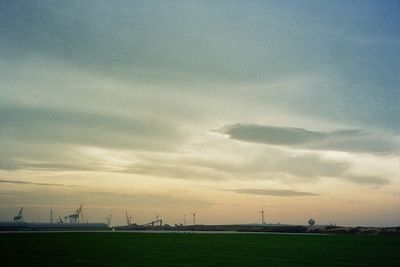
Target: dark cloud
350 140
33 183
274 192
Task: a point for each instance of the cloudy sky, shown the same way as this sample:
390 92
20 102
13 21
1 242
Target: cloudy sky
222 107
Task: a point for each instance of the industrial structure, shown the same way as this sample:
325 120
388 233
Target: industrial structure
72 222
262 216
156 222
194 217
109 220
75 217
18 217
128 218
77 222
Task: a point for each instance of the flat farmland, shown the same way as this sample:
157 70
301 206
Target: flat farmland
170 249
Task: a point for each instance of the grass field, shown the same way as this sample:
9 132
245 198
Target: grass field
153 249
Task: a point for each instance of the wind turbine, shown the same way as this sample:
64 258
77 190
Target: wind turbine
262 216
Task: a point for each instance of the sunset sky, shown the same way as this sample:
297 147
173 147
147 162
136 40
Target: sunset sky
223 107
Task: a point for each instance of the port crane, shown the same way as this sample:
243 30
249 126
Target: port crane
18 217
75 217
109 220
128 218
157 222
262 216
194 217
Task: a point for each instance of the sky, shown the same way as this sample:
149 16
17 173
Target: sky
218 107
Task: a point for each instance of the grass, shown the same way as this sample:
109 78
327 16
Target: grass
168 249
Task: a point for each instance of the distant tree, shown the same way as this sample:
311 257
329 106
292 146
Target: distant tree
311 222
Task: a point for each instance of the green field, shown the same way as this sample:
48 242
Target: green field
162 249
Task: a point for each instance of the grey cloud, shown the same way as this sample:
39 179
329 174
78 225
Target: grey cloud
111 199
178 171
74 127
304 167
45 166
33 183
274 192
22 154
196 41
367 179
145 200
271 135
8 165
55 166
310 166
122 38
350 140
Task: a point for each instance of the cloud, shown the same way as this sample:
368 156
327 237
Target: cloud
178 170
46 125
367 179
349 140
274 192
50 165
247 164
92 197
33 183
42 156
310 166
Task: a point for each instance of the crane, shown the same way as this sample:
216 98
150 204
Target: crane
262 216
194 217
18 217
128 218
109 220
75 217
